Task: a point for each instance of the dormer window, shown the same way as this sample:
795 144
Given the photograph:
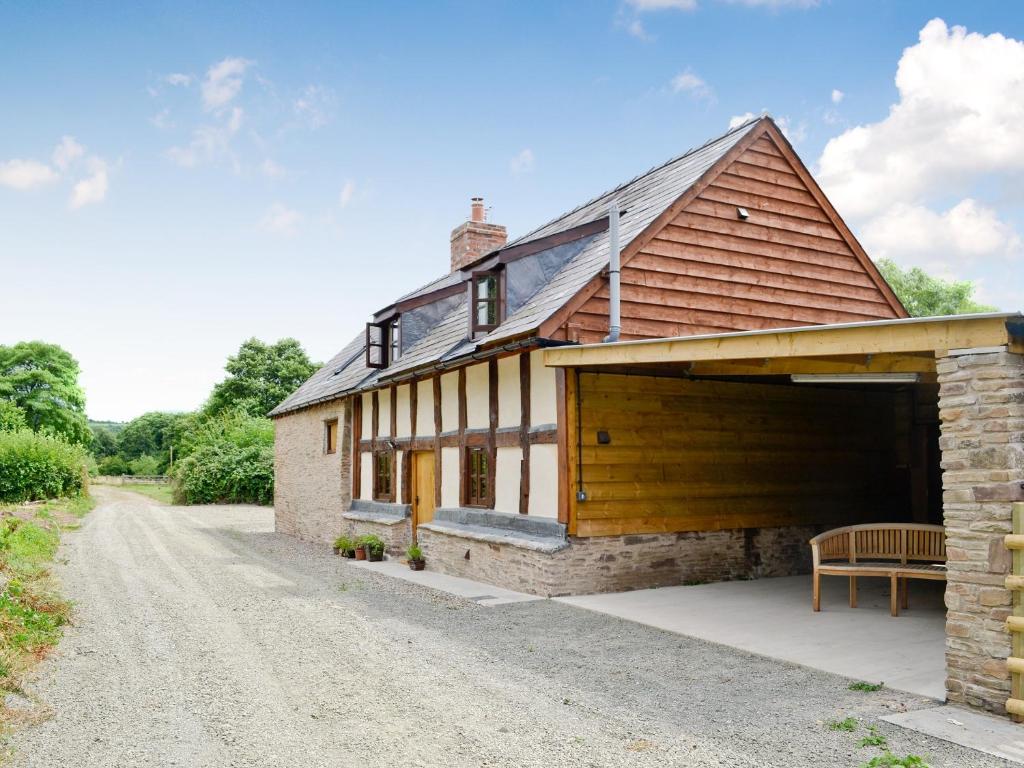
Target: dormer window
383 343
486 301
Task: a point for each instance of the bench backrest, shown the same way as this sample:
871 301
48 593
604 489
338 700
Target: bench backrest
903 542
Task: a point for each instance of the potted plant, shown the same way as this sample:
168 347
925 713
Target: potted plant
360 548
415 555
374 548
344 546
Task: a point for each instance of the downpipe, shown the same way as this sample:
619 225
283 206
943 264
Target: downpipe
614 269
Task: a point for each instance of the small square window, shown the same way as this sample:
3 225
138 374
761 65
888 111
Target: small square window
486 305
477 477
383 473
331 436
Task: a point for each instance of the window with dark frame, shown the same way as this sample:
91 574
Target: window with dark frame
331 436
383 469
477 485
383 343
485 298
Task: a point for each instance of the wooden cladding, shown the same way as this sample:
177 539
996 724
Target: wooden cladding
792 262
702 455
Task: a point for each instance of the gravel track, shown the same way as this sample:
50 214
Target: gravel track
202 638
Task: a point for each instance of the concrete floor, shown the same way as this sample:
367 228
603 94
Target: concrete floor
773 617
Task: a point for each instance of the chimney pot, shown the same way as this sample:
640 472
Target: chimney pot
476 210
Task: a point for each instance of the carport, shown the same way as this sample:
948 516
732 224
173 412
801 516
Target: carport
751 442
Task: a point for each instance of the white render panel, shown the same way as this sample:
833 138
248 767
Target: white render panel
402 405
449 402
507 474
477 397
384 411
544 480
449 477
396 468
425 408
366 475
543 393
367 415
509 404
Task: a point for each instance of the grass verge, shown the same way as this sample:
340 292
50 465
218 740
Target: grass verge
161 493
32 610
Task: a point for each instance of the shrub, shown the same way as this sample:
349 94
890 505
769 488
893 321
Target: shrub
145 465
113 465
11 416
39 466
226 473
414 552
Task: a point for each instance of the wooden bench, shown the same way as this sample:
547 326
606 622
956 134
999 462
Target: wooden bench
897 551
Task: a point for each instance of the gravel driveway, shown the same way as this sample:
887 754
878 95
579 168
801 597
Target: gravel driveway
202 638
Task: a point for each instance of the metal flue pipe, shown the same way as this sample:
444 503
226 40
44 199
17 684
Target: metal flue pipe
614 300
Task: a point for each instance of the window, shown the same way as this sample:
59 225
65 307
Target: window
383 343
383 471
486 305
477 478
331 436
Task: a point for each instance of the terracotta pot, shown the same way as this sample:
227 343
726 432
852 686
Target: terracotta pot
417 565
360 553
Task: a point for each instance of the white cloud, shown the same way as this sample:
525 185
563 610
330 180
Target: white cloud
280 220
210 143
348 190
223 82
67 152
313 105
25 174
162 119
522 163
795 132
958 119
93 188
644 6
837 96
915 182
177 78
776 4
737 120
689 82
636 29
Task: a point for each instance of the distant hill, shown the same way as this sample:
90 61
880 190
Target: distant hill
113 426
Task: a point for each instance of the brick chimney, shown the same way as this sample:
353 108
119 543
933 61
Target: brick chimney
476 237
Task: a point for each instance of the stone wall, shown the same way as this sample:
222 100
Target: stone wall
981 402
311 487
615 563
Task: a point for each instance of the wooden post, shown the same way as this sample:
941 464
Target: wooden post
1015 623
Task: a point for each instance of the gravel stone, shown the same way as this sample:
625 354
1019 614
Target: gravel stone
202 638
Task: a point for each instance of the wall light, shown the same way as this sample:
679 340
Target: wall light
855 378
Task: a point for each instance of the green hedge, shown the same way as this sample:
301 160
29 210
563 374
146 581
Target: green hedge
37 466
225 472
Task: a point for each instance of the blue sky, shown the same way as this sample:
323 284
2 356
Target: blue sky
175 178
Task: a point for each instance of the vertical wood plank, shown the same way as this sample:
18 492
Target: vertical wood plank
462 436
492 431
524 432
437 441
357 453
393 411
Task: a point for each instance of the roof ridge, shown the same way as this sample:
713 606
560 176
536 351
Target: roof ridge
693 150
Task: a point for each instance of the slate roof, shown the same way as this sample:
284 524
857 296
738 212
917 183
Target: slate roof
640 201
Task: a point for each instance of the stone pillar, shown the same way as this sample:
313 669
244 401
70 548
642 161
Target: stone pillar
981 405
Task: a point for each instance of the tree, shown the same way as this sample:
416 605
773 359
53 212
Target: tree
260 376
42 380
927 296
104 441
11 416
151 434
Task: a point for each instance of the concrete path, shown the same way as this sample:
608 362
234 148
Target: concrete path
204 639
773 617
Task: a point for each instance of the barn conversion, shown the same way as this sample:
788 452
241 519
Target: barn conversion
765 385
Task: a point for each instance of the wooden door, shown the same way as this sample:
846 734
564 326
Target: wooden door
423 487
